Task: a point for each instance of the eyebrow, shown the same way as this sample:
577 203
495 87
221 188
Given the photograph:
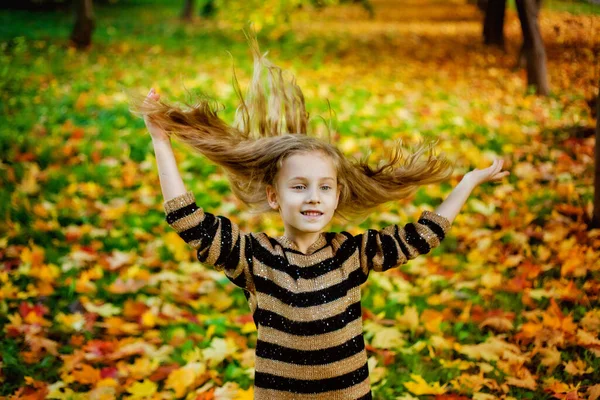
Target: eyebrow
304 178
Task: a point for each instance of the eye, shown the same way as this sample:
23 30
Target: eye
299 187
326 187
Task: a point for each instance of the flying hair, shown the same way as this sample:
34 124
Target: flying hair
269 127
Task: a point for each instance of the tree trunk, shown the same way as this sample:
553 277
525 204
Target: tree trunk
84 24
209 10
595 223
188 10
533 46
493 23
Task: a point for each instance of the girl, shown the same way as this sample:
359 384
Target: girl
303 288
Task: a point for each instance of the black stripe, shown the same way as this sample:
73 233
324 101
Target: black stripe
390 252
347 249
182 212
415 240
309 328
371 248
233 258
274 351
281 264
403 247
308 299
438 230
206 231
225 245
269 381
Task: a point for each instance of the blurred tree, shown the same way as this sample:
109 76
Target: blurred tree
533 46
595 103
188 10
209 9
493 23
84 24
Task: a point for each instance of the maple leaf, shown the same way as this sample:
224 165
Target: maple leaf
550 358
522 378
105 310
142 390
577 367
182 379
409 320
593 392
420 386
218 350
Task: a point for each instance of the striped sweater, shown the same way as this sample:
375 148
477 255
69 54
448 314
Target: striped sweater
306 306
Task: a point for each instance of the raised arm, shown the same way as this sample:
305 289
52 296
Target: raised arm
450 208
218 241
394 245
170 180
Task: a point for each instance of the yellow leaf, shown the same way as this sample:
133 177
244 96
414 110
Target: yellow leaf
577 367
219 349
420 386
491 280
142 390
220 300
183 378
177 246
387 338
409 320
247 394
148 319
105 310
432 320
593 392
550 358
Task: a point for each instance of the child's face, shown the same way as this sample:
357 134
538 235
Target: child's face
306 182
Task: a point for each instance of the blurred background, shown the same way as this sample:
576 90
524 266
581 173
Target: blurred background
100 299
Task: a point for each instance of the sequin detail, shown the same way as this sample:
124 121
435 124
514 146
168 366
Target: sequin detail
306 306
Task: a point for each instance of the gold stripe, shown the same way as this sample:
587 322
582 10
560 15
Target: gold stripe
304 260
179 202
443 222
195 243
402 259
351 393
314 342
263 240
215 246
242 264
412 251
302 285
307 314
189 221
311 372
426 233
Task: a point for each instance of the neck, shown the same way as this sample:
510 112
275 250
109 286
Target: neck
302 240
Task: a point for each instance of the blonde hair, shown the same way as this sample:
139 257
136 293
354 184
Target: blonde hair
268 130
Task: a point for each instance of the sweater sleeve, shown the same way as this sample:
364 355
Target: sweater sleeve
218 241
392 246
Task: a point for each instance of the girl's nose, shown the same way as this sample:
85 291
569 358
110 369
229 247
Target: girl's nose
313 196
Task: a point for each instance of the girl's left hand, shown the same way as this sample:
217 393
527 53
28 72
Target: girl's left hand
490 174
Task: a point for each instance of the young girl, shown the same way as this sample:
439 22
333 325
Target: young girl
303 288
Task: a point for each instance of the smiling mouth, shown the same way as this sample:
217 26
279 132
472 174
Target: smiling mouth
311 213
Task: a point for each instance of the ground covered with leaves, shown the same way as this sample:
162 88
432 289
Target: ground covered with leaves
100 299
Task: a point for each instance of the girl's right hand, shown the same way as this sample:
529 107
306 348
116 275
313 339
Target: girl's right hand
157 133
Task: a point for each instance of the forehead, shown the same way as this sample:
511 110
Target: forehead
310 165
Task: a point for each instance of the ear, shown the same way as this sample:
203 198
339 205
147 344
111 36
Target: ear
272 197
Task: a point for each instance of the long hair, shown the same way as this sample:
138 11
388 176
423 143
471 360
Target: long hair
268 129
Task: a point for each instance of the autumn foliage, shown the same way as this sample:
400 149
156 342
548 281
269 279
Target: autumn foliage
99 299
